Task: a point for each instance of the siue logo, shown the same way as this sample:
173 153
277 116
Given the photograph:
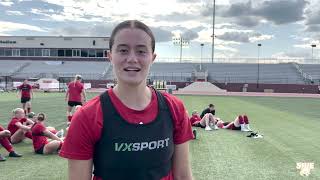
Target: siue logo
141 146
305 168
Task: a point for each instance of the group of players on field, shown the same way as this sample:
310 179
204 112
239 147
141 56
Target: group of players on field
208 120
47 140
27 124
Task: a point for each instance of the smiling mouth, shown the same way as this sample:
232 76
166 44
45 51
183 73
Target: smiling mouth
131 69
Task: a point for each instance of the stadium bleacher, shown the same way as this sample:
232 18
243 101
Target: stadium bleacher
285 73
312 69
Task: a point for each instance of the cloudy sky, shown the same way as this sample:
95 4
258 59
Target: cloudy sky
285 28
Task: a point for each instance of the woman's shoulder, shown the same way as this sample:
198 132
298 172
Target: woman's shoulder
174 102
91 105
171 98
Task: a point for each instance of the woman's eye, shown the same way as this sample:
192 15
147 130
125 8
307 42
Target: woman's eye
141 51
123 50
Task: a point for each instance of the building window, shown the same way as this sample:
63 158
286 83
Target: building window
30 52
61 52
23 52
84 53
92 53
69 52
15 52
76 52
45 52
1 52
38 52
53 52
105 53
99 53
8 52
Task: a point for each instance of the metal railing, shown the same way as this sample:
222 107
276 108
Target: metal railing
239 60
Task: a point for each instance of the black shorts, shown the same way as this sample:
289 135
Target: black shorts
25 99
74 103
40 150
198 124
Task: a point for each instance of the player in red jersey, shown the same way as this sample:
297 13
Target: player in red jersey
40 135
4 141
18 126
241 123
33 117
130 131
26 94
206 122
75 95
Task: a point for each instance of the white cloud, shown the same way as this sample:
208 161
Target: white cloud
225 48
37 11
10 26
3 34
260 38
6 3
119 10
307 45
17 13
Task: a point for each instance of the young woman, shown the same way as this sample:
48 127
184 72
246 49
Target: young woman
241 122
4 141
33 117
75 94
130 131
210 109
26 94
41 134
18 126
206 122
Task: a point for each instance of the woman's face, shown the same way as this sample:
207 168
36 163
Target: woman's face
131 56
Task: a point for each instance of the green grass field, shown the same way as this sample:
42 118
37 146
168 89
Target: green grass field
290 127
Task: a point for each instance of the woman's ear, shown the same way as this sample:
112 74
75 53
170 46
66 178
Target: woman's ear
109 57
154 55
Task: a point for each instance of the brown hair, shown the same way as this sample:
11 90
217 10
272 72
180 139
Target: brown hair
132 24
41 117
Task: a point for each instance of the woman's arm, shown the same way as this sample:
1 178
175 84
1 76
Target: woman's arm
21 126
67 95
50 135
31 93
29 121
84 96
181 163
80 169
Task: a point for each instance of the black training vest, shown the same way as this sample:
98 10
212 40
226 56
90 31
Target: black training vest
129 151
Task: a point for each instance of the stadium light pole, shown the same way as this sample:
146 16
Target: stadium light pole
213 24
312 46
258 72
180 41
201 56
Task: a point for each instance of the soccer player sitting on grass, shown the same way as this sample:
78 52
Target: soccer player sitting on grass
210 109
4 141
40 137
18 126
32 116
240 123
205 122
